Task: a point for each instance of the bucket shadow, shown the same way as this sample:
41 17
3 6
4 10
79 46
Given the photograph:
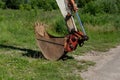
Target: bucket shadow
32 53
27 52
66 57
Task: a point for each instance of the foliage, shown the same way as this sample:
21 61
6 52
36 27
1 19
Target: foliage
88 6
117 22
82 3
44 4
102 6
118 4
108 6
2 4
25 7
13 4
30 4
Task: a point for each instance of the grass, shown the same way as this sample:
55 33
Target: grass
15 64
18 49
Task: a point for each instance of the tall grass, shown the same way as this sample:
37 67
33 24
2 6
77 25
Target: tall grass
12 26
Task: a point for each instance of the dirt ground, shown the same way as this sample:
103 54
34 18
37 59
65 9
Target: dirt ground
107 65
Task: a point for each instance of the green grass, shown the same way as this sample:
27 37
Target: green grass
17 67
18 47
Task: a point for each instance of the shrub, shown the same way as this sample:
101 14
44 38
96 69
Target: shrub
91 8
13 4
2 4
102 6
44 4
117 22
109 6
118 5
25 7
82 3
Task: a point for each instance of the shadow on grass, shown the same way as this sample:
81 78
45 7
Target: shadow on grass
32 53
66 57
27 52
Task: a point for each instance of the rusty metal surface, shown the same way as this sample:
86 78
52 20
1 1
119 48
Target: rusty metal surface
52 48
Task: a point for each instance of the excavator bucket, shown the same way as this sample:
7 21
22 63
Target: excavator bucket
52 48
